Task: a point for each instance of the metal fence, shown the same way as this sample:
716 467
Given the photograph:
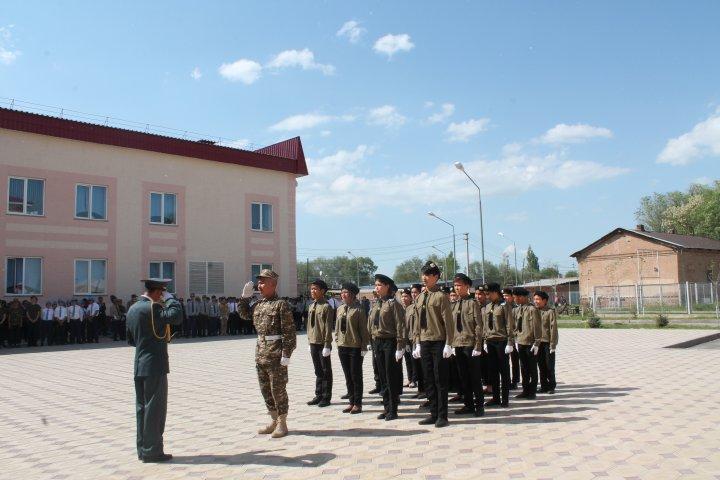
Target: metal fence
688 297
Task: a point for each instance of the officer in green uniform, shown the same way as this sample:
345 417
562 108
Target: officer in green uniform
148 329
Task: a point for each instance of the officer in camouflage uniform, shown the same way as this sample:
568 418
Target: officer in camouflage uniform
273 321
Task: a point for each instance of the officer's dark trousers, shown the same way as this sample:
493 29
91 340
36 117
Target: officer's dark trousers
76 335
15 335
93 329
47 332
323 372
390 372
33 332
515 363
546 362
351 362
410 366
115 329
436 370
470 374
528 366
499 367
151 410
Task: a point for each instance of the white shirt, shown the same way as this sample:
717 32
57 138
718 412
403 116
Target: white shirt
48 314
76 312
60 313
93 309
232 307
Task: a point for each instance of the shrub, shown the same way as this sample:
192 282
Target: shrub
594 321
661 320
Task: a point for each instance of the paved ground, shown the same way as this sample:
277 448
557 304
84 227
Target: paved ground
625 408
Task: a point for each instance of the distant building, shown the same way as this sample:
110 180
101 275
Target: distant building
92 209
644 258
567 288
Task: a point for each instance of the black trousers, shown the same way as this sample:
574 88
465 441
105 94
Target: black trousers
390 372
499 368
47 332
150 412
192 326
436 371
33 333
546 362
515 363
528 366
15 335
233 323
420 376
410 367
351 361
61 332
376 374
470 374
323 372
203 325
76 335
93 329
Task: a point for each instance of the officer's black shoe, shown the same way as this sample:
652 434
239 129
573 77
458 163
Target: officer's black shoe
163 457
391 416
456 399
492 403
346 396
551 392
428 421
479 411
530 396
543 390
522 395
464 410
505 405
513 386
374 391
324 403
381 416
441 422
425 404
314 401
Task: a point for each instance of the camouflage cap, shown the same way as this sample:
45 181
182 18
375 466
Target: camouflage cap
267 273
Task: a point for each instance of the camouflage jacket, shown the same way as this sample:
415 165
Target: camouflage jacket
271 317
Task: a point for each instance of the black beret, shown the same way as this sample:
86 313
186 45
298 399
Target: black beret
430 268
462 278
416 285
406 291
351 287
384 279
542 294
492 287
320 283
507 290
480 288
446 289
521 292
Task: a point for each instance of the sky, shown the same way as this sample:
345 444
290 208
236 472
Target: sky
564 113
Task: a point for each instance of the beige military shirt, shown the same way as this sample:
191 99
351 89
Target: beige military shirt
387 320
351 328
467 321
320 323
273 317
528 327
549 326
434 307
410 319
499 322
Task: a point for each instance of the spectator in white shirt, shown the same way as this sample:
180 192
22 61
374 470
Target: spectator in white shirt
76 313
61 326
47 325
93 329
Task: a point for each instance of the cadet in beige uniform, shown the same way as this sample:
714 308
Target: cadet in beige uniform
386 323
507 294
352 338
528 333
434 334
499 325
319 332
548 344
468 347
410 321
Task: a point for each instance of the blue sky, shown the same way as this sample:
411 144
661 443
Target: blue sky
566 113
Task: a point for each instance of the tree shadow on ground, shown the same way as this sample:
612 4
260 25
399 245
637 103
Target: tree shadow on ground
258 457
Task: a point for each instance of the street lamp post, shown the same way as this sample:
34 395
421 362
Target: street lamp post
514 251
453 233
357 267
460 167
445 257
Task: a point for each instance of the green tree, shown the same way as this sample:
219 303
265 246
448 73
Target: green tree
492 272
550 272
651 211
408 271
532 264
571 274
336 270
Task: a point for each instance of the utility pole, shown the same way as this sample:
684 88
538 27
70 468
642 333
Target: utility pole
467 253
307 272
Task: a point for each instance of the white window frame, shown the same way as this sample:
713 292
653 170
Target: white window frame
90 201
161 262
272 223
262 267
162 208
25 197
89 260
24 293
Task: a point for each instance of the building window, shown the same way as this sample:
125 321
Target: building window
90 277
257 267
91 202
261 220
163 208
164 270
207 277
26 196
24 276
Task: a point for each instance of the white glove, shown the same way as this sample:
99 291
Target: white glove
485 347
475 353
248 290
326 352
534 349
509 349
416 352
309 349
447 351
369 348
363 353
517 348
284 361
166 295
399 354
453 351
552 350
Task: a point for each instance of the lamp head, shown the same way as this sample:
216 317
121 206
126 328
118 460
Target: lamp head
431 214
459 166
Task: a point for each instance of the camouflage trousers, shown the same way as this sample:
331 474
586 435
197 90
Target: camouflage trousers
273 380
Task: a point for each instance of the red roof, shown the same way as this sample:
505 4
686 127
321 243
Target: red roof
673 240
287 156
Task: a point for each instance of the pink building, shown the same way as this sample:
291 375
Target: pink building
92 209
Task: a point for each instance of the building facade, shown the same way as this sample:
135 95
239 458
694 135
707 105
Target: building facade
91 209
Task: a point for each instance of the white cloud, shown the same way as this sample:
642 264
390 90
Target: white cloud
702 141
446 111
578 133
306 121
304 59
243 70
386 116
342 183
391 44
8 52
703 180
325 133
351 30
461 132
196 74
242 144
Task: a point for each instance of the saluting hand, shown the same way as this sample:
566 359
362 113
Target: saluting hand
284 361
248 290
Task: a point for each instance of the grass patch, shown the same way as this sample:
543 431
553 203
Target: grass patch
624 325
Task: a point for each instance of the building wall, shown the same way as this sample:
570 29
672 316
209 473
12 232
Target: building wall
213 214
695 265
